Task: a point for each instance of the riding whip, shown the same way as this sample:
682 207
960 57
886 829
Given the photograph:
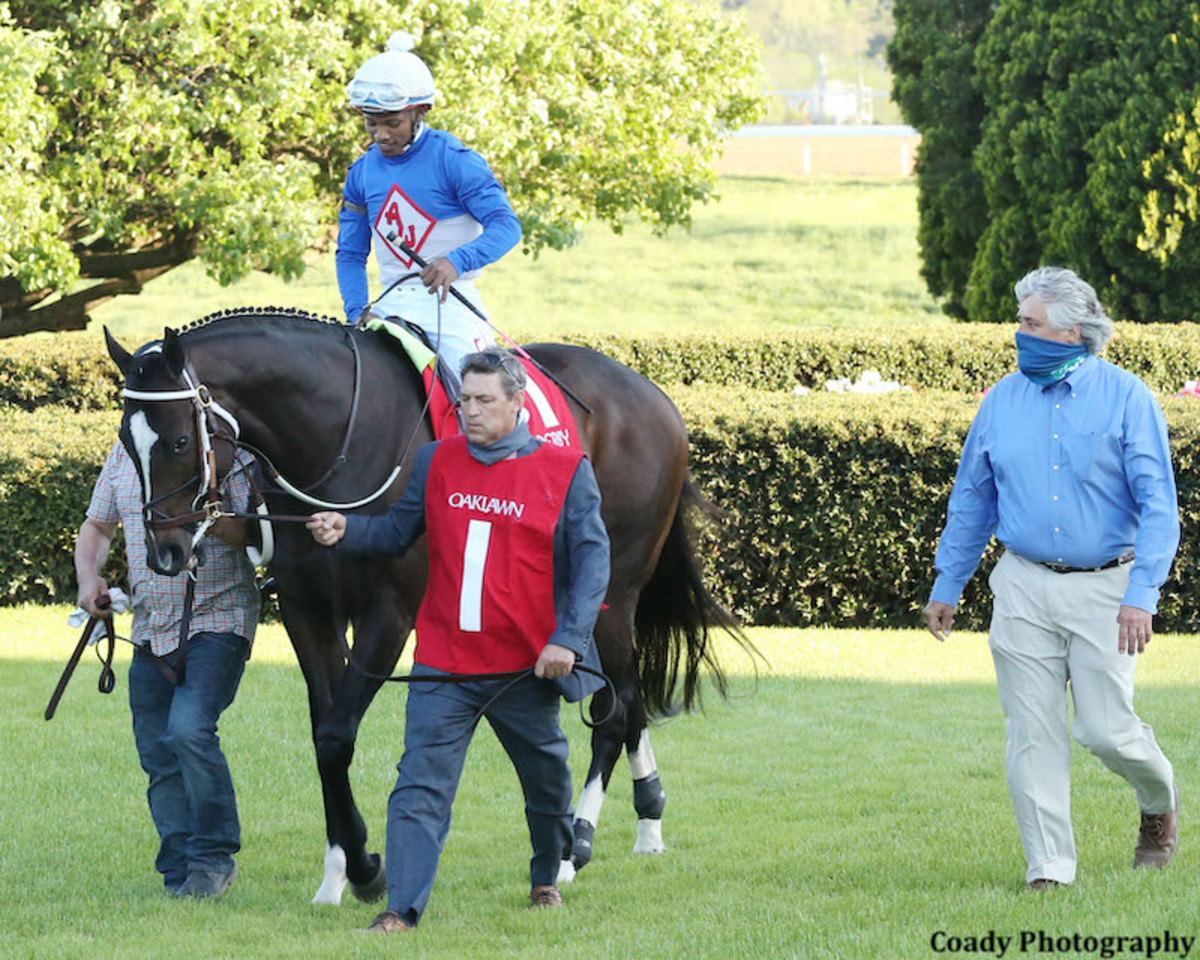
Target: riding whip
517 348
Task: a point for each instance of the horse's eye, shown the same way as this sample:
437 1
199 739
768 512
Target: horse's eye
180 445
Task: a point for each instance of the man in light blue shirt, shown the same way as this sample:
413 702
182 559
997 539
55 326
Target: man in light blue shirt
1068 464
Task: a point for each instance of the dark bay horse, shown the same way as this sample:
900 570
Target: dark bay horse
335 414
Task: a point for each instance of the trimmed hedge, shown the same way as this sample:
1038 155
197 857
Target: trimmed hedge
968 358
49 461
75 371
834 503
63 369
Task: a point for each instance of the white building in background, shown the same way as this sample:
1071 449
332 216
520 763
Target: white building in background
839 102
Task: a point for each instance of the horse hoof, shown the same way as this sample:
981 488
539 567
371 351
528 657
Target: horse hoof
566 872
334 882
373 889
649 837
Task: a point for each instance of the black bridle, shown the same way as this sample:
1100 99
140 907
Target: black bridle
211 486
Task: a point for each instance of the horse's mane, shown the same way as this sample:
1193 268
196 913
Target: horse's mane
258 315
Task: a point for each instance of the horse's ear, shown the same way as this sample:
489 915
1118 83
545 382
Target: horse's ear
118 353
173 352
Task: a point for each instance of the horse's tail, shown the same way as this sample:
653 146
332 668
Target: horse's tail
674 615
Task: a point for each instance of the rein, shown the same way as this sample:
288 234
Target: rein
210 486
108 679
212 511
512 676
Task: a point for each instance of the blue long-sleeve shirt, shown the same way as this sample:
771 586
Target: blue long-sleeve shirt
1078 473
581 556
451 205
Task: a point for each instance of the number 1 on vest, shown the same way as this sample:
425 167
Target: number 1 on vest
470 598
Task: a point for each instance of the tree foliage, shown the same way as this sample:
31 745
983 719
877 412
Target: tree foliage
932 59
135 135
1086 146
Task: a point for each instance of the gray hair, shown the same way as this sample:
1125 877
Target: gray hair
496 360
1070 301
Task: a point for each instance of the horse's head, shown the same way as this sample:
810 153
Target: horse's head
169 430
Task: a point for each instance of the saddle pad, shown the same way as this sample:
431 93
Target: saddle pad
550 418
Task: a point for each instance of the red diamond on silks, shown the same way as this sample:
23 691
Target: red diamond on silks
400 219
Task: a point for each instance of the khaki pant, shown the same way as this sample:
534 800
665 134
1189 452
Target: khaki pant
1048 628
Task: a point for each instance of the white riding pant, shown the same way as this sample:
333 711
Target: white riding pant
459 331
1048 628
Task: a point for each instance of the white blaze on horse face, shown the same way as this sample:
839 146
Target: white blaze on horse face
591 800
144 439
641 761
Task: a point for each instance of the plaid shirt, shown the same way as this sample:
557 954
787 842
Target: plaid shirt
226 599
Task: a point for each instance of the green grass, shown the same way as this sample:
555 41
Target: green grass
847 804
773 252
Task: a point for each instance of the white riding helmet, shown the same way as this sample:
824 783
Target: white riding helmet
392 81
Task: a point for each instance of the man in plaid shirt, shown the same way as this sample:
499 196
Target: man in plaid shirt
175 726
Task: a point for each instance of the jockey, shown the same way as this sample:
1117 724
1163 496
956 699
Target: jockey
422 187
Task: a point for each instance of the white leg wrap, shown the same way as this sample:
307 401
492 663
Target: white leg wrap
566 871
641 761
591 800
649 838
335 877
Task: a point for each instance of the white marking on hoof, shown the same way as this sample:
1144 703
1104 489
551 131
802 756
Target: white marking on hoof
649 838
641 761
591 800
566 871
335 877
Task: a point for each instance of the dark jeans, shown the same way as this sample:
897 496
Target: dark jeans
437 732
191 792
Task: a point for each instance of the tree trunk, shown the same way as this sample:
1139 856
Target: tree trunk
119 273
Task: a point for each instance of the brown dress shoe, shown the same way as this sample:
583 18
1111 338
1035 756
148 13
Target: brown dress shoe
545 896
1044 883
1158 838
388 922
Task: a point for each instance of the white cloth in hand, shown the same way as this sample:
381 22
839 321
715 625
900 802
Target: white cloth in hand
79 616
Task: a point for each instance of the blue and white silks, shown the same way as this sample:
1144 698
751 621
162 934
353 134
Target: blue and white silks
442 200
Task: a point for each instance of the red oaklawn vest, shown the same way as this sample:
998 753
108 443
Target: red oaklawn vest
489 604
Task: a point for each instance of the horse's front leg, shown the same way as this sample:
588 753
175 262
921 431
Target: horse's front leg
338 698
379 635
313 639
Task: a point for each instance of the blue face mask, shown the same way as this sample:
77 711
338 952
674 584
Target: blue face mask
1047 361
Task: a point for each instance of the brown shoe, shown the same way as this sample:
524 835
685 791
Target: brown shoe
545 896
388 922
1042 884
1158 838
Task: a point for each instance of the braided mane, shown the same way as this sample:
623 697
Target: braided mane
257 313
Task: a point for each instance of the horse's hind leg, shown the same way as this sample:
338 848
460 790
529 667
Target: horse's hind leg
614 630
627 728
607 741
649 799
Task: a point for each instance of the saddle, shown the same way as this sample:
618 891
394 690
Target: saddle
550 418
